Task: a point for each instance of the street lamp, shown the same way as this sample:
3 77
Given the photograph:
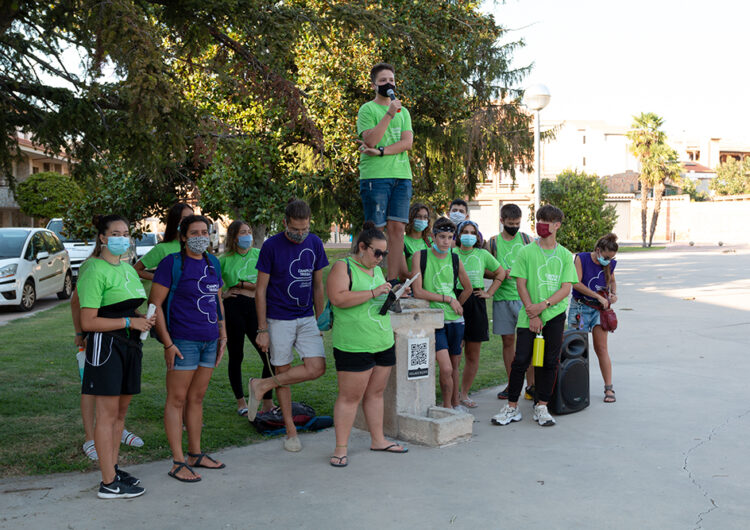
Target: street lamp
536 97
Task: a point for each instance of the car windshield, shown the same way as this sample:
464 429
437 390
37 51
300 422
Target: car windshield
56 226
146 240
11 242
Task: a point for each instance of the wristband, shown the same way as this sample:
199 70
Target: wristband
264 330
167 347
372 293
78 334
127 322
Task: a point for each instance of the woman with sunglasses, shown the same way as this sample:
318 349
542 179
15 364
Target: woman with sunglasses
596 288
363 344
477 261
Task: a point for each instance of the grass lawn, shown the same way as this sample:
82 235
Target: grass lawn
40 396
638 249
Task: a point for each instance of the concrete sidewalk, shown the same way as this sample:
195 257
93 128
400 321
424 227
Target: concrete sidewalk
669 454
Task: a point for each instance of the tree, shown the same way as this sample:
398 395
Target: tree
47 194
581 198
658 163
732 177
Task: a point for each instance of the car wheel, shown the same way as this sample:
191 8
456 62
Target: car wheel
28 296
67 287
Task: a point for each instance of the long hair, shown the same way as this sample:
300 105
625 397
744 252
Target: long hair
102 223
173 221
607 242
413 211
230 242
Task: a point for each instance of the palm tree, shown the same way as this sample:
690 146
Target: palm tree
663 165
645 136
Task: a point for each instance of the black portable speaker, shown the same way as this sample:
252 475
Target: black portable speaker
571 392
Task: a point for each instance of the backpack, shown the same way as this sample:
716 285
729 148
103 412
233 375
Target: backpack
325 320
526 238
176 275
272 422
423 265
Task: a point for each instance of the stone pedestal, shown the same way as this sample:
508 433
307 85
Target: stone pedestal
410 413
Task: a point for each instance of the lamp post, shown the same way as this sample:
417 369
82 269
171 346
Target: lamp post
536 97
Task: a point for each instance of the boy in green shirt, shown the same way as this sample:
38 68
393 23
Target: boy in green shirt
385 132
545 274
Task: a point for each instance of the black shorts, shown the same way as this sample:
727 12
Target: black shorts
113 365
475 315
363 361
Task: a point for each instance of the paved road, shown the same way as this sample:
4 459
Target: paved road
671 453
8 314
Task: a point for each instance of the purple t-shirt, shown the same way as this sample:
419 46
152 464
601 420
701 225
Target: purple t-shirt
193 314
592 275
290 266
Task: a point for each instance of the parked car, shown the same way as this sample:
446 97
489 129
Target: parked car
80 250
146 242
33 264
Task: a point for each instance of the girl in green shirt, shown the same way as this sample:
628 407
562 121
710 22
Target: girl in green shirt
363 344
477 261
417 230
240 276
110 292
169 245
437 285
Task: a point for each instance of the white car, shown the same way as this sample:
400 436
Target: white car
79 251
33 264
146 242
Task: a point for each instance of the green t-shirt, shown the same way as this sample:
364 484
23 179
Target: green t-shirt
438 278
362 328
236 267
388 166
412 245
545 272
476 261
101 284
507 253
153 257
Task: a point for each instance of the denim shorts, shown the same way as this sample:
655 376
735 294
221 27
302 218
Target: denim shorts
449 337
582 316
385 200
195 353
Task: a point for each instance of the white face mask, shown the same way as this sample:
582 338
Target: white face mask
457 217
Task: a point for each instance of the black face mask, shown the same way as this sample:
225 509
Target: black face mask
383 89
512 230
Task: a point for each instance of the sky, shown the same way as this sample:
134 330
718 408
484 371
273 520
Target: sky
608 60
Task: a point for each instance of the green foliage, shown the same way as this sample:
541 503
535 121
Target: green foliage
581 198
732 177
689 186
47 194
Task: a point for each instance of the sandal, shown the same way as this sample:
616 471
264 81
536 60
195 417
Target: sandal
469 403
200 457
242 411
180 465
341 461
392 449
609 398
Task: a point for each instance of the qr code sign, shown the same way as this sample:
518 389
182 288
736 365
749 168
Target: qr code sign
419 358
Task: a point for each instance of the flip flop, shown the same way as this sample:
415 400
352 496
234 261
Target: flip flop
340 462
469 403
200 457
180 465
252 402
390 449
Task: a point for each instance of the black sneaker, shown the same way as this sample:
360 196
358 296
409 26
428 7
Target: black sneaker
119 490
125 477
503 394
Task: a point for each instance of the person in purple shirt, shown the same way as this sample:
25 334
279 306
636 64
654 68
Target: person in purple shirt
289 286
596 275
194 341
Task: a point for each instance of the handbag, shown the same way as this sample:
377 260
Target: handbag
607 317
325 320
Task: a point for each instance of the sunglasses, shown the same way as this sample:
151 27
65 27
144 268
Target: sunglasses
378 253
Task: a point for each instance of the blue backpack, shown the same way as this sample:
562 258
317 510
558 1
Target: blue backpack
177 273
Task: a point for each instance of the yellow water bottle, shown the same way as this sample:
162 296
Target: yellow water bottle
537 359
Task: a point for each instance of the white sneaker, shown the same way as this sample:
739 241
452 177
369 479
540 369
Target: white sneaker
507 415
542 416
293 444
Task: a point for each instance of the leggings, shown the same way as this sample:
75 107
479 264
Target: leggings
544 376
241 322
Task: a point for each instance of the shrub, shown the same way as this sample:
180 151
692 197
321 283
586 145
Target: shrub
47 194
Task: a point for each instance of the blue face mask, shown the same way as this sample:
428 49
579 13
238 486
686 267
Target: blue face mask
118 245
457 217
603 262
468 240
245 241
420 224
436 249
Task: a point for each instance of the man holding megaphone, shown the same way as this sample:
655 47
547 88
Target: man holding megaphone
385 136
